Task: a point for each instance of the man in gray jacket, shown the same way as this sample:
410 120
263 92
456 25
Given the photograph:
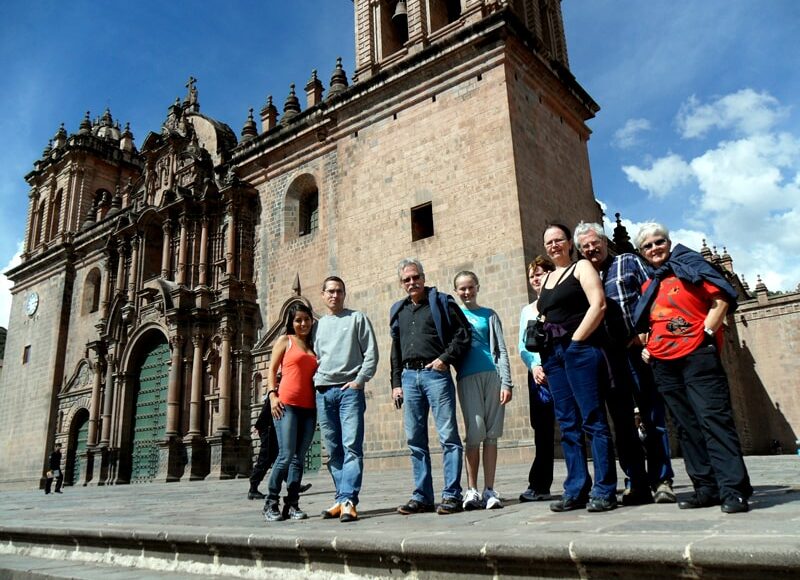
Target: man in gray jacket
348 357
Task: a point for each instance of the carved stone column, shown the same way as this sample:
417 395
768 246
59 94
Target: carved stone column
196 403
105 289
180 278
224 422
203 266
94 406
108 400
230 241
121 253
174 387
135 242
166 250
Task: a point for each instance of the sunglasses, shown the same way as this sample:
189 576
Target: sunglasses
655 243
412 278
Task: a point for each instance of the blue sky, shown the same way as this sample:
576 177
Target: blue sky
698 127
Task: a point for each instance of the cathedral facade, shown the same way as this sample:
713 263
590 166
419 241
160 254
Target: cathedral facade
155 279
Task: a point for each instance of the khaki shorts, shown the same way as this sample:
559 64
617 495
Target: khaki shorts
479 397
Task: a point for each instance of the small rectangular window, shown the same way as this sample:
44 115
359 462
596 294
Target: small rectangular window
421 222
26 354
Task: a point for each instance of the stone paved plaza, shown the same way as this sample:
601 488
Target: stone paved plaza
184 529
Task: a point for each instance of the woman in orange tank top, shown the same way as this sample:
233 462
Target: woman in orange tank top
293 411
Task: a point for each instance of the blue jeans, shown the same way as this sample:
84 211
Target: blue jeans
573 373
295 432
425 390
341 420
654 417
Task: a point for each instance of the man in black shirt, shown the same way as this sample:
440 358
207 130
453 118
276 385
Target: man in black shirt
429 334
54 466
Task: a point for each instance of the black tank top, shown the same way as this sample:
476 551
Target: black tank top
565 304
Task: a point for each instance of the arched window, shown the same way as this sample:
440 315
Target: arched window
55 216
91 292
36 227
301 208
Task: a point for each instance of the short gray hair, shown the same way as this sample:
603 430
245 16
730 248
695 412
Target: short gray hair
584 228
648 229
406 262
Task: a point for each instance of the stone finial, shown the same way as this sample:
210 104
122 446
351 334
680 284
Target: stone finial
269 116
726 261
705 251
761 290
48 148
126 140
116 200
314 90
745 285
715 255
622 240
249 131
291 107
86 125
296 285
338 79
60 138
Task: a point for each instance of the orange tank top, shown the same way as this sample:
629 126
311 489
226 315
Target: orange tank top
297 377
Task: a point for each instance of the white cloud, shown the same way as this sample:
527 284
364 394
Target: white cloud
663 176
747 186
5 286
629 134
746 112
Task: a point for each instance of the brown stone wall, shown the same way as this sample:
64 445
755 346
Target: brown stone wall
26 395
763 366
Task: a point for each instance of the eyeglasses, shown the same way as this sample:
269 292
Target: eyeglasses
412 278
657 243
558 241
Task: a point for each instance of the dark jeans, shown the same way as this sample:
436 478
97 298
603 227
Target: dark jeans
543 423
573 373
620 403
295 431
654 417
695 390
267 454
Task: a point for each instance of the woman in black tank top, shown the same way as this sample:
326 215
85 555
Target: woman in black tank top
573 303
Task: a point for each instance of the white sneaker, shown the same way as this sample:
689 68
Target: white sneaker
472 500
492 499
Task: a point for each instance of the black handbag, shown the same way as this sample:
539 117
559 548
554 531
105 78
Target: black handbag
537 338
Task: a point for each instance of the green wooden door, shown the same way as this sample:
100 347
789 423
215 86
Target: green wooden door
81 437
150 420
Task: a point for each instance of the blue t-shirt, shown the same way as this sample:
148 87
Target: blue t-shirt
479 358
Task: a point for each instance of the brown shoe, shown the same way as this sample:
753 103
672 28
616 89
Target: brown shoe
349 513
332 512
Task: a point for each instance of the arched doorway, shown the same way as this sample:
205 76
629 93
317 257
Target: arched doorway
79 435
150 416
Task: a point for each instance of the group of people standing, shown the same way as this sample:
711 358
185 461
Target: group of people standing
620 333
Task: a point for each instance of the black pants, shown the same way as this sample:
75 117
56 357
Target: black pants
48 484
695 390
543 422
267 454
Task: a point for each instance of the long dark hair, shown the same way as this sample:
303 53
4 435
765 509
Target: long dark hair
293 310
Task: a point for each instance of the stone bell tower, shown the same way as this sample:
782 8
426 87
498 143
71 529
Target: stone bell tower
389 30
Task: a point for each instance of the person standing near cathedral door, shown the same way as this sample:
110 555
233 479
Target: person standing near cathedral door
54 467
348 357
